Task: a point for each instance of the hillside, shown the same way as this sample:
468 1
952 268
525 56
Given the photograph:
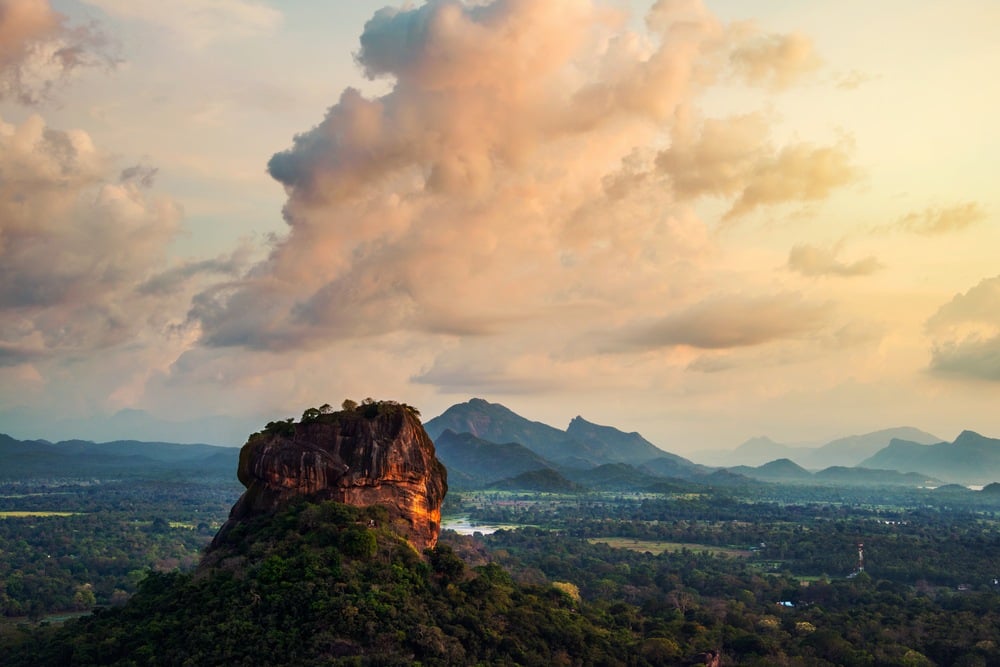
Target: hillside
612 444
316 584
779 470
545 480
970 459
478 462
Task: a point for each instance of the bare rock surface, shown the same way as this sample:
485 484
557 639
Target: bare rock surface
374 454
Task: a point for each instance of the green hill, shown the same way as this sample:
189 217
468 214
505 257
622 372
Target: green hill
545 480
316 584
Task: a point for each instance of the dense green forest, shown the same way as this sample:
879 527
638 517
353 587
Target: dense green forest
71 545
764 574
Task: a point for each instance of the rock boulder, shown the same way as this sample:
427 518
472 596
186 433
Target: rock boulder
376 453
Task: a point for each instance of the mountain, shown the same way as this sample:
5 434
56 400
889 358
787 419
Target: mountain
376 453
783 471
862 476
26 459
480 461
848 451
970 459
545 480
853 450
226 431
496 423
612 444
614 477
583 445
754 452
779 470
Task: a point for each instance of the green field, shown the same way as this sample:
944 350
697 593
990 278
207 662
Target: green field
657 547
33 513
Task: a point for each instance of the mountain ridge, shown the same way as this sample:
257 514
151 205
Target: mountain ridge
970 459
582 444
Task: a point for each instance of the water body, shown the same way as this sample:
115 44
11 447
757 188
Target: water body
462 526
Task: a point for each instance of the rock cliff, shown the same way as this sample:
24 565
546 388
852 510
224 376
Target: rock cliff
376 453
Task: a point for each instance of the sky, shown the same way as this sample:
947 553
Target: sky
703 221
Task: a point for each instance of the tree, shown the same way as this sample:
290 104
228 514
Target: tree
348 404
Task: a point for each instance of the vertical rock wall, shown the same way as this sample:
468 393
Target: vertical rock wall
375 454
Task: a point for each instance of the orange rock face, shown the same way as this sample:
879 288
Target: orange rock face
379 455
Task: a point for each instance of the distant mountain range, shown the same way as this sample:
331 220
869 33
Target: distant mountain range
848 452
469 436
80 459
970 459
786 471
485 444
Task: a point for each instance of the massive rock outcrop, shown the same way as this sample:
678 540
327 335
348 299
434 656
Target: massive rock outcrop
376 453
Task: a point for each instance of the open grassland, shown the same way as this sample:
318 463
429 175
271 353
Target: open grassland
33 513
657 547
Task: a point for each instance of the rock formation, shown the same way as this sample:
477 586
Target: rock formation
376 453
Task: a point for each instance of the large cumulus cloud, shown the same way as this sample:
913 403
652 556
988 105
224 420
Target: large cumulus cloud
531 173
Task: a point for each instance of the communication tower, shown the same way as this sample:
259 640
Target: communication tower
861 557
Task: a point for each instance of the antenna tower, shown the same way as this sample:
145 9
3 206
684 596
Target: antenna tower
861 557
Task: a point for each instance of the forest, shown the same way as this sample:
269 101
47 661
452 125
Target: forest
763 574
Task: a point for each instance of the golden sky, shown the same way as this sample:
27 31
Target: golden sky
704 221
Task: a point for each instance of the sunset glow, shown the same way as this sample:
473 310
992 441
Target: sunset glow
703 221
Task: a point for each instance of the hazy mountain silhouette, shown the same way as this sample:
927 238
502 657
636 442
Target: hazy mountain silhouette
848 451
852 450
970 459
131 458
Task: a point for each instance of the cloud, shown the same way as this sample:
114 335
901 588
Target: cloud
38 48
177 278
810 260
732 157
965 333
976 359
934 220
733 321
509 177
799 172
75 243
198 23
776 61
